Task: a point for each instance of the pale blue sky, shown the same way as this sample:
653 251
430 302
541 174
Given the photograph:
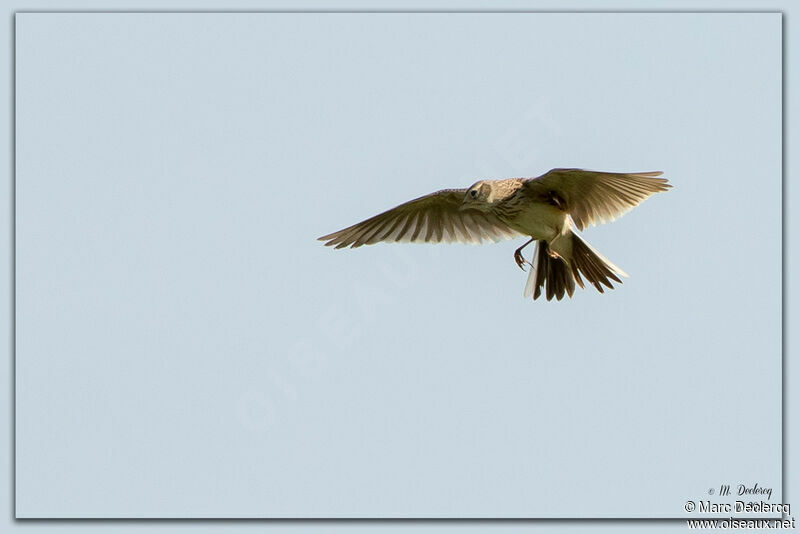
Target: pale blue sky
180 329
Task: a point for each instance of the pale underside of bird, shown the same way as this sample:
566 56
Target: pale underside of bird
548 209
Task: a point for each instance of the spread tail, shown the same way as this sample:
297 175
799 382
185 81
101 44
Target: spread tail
558 269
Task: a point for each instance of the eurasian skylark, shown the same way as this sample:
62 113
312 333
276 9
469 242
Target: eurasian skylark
548 209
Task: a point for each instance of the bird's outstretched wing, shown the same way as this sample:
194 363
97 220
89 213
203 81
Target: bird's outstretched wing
430 219
592 197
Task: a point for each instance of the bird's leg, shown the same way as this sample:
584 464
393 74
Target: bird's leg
551 249
518 255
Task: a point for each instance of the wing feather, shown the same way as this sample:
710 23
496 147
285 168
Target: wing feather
433 218
597 197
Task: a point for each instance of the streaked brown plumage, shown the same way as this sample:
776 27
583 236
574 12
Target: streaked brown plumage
547 209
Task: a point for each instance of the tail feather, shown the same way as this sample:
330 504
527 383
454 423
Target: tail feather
596 267
558 275
551 269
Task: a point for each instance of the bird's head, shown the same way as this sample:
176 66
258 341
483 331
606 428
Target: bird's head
478 197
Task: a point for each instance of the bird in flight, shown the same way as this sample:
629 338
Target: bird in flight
547 209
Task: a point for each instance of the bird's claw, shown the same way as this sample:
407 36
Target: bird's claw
521 261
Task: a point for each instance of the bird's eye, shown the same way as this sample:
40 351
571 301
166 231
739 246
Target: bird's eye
474 193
